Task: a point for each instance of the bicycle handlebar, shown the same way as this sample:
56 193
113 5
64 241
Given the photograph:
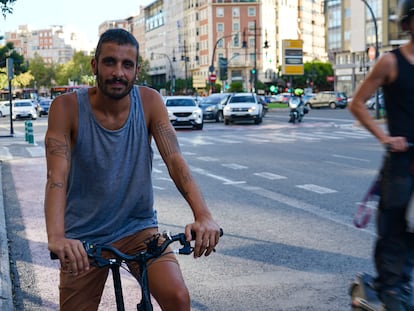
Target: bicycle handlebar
153 249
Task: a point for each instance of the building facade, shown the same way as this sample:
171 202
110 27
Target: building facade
357 33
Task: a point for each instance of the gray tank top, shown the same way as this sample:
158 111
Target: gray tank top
110 194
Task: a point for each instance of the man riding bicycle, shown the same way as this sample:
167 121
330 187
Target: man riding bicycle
99 189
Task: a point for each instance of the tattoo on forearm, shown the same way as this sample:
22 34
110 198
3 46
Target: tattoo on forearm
185 179
58 148
167 139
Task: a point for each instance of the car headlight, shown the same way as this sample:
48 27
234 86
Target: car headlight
227 109
210 108
197 113
252 109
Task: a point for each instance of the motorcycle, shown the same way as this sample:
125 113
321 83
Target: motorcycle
297 109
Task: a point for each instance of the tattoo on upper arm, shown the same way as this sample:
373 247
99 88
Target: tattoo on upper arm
58 148
167 139
54 185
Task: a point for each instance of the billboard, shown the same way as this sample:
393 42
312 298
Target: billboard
292 54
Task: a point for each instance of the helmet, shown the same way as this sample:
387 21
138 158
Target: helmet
406 10
298 92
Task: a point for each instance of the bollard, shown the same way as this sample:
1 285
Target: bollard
29 132
26 137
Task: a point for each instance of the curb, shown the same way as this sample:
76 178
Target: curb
6 298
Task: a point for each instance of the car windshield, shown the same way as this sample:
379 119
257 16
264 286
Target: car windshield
23 104
180 102
242 99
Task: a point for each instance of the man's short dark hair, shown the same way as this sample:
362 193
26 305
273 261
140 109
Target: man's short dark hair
118 36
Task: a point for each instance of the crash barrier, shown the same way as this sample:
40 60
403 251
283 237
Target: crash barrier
28 126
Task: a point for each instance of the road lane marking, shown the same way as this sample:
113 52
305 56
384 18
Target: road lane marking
224 140
208 159
235 166
316 188
225 181
301 205
350 158
270 176
36 151
5 154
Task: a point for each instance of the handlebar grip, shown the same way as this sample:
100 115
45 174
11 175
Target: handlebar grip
53 256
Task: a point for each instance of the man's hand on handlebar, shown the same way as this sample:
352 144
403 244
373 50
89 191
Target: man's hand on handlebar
72 255
206 234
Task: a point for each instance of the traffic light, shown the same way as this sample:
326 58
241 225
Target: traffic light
223 68
253 71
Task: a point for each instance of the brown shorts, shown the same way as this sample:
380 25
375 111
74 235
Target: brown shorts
83 292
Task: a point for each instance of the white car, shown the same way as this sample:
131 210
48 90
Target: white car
183 111
24 108
243 107
4 108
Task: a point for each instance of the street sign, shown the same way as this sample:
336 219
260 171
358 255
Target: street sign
292 57
213 77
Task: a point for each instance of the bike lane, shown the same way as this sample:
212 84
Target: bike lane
35 276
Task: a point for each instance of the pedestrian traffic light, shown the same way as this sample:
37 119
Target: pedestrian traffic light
253 71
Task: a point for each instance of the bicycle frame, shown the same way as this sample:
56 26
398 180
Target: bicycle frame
153 251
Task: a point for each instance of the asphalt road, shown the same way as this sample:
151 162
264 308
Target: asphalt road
284 194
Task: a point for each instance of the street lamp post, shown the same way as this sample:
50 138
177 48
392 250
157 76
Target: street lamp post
172 88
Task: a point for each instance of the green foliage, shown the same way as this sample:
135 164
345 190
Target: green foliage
19 63
143 76
5 7
42 72
236 86
78 70
315 73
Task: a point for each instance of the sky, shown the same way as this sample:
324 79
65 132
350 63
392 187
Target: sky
83 15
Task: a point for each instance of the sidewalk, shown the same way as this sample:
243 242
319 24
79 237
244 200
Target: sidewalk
6 298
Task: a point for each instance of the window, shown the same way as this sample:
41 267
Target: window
236 27
251 11
219 12
220 27
236 12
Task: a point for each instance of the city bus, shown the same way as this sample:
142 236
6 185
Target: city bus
58 90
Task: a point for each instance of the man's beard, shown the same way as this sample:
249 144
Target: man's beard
102 85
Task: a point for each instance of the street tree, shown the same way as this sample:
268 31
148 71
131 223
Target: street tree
19 64
43 73
6 7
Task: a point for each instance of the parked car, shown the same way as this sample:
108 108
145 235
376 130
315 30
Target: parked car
370 103
43 106
307 97
243 107
212 106
4 108
24 109
329 99
282 98
183 111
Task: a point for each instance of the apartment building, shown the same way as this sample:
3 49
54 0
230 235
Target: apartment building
358 32
192 38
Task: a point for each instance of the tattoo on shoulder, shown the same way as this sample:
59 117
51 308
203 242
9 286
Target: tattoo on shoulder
58 148
168 139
